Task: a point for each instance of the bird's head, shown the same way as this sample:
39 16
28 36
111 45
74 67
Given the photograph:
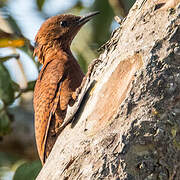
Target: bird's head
61 30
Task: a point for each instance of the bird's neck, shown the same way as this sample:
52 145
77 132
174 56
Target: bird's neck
56 51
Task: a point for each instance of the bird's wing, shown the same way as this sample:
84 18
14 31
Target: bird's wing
46 97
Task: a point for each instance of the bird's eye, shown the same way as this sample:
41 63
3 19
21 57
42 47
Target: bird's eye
64 23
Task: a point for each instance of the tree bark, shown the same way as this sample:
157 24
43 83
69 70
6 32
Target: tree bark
128 125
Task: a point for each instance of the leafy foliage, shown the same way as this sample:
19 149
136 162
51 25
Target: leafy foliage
5 123
40 4
82 62
5 58
102 23
28 171
6 86
10 40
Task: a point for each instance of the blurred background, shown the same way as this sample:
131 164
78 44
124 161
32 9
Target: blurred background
19 23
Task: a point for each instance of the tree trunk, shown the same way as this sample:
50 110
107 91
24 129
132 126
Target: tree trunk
128 125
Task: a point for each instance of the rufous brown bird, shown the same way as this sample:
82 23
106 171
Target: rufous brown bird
59 77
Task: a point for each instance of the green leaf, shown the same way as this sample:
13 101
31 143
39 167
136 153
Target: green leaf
3 2
6 87
8 159
82 62
15 86
5 123
15 39
102 22
121 7
127 4
78 6
30 86
5 58
40 4
28 49
12 22
28 171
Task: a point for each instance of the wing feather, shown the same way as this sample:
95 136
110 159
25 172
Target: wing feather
46 97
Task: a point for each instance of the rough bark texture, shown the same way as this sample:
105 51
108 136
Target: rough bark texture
128 126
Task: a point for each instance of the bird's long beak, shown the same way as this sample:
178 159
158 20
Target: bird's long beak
87 17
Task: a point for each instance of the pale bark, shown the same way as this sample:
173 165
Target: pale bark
128 126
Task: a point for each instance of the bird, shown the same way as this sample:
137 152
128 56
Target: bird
59 77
